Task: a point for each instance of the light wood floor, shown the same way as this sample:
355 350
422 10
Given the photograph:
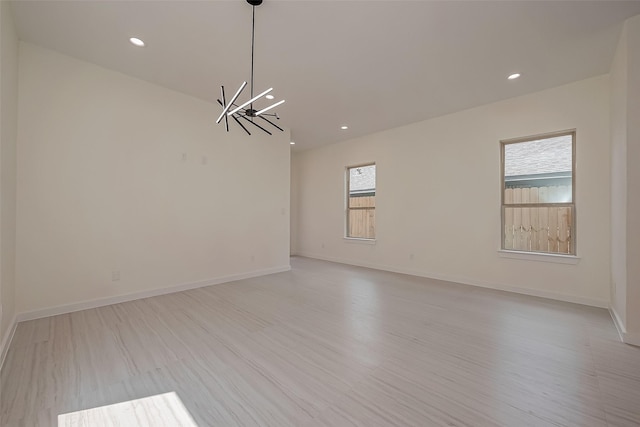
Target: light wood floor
331 345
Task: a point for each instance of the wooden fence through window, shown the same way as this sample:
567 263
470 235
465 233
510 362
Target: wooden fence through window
362 217
540 229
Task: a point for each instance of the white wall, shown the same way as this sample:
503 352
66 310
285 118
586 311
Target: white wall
103 187
8 137
438 195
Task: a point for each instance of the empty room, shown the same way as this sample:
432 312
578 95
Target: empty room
319 213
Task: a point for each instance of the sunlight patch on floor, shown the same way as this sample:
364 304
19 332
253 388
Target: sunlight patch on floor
154 411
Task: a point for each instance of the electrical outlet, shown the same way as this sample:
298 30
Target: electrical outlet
184 157
204 160
410 256
115 276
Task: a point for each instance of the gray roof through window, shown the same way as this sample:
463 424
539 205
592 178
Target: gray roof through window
362 179
542 156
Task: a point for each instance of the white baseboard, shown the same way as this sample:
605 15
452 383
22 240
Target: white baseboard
468 281
622 331
101 302
6 341
625 336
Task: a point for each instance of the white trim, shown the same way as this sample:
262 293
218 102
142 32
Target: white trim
6 341
101 302
359 240
622 331
539 256
625 337
593 302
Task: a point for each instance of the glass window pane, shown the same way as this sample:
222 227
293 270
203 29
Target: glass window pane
362 180
539 171
362 202
362 223
538 229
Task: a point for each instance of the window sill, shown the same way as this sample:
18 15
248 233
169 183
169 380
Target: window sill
360 240
536 256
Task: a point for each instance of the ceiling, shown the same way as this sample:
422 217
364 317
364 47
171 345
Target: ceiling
371 65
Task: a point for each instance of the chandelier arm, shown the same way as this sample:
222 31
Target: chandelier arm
250 101
269 107
220 102
226 108
255 124
234 118
241 125
233 105
224 101
271 123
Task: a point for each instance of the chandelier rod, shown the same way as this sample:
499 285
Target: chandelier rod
253 37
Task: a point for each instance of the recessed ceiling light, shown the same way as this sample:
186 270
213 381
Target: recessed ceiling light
136 42
344 127
292 143
269 96
514 76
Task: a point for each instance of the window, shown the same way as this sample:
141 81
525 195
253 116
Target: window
538 193
361 201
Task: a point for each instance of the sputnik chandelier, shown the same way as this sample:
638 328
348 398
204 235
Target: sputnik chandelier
246 111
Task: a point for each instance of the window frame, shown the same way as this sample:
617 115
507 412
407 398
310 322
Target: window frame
347 205
571 205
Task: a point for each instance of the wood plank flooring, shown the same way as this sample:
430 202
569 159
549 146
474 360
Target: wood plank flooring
331 345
